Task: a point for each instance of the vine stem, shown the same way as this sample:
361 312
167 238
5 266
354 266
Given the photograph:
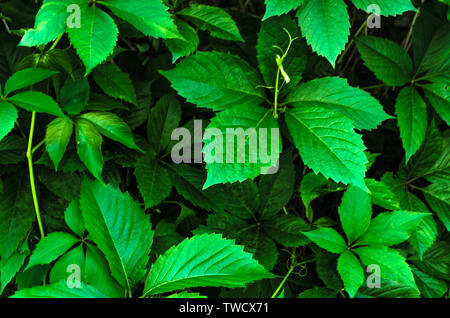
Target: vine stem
291 269
351 42
275 103
30 168
56 42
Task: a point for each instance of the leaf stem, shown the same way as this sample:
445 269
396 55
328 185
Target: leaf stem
351 42
56 41
38 146
291 269
275 103
30 168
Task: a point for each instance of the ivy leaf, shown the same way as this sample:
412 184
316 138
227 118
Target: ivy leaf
59 290
355 213
392 265
203 260
351 272
411 113
386 59
279 7
216 80
51 247
49 24
57 137
328 239
439 97
214 19
95 40
390 228
328 31
115 83
120 229
37 102
337 95
153 181
225 166
387 7
185 46
328 144
150 16
25 78
89 146
8 117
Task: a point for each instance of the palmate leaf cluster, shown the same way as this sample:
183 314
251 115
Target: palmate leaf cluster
88 178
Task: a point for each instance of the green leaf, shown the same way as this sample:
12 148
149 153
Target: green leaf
436 261
25 78
438 197
287 230
74 95
238 127
429 286
49 24
89 146
382 195
279 7
271 38
120 229
389 289
336 94
150 16
387 7
11 265
37 102
95 40
386 59
73 218
328 144
60 269
214 19
115 83
164 118
216 80
391 228
111 126
326 267
317 292
439 97
355 213
51 247
411 113
185 46
153 181
8 117
351 272
424 236
12 150
328 31
203 260
57 137
328 239
392 265
59 290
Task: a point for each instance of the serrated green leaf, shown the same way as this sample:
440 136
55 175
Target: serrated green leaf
57 137
216 80
115 83
382 195
185 46
74 95
62 269
12 150
11 265
351 272
387 7
120 229
59 290
37 102
25 78
73 218
203 260
429 286
424 236
438 197
328 239
325 25
439 97
287 230
8 117
279 7
89 146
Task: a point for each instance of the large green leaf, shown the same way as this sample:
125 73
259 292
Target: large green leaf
11 265
424 236
387 7
411 113
328 144
429 286
241 126
150 16
37 102
95 40
185 46
57 137
439 97
391 228
89 147
51 247
203 260
59 290
73 218
74 95
355 213
438 197
115 83
120 229
8 117
328 239
214 19
112 126
326 26
386 59
337 95
25 78
351 272
216 80
279 7
382 195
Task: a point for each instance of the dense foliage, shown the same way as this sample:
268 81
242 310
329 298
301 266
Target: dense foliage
93 202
